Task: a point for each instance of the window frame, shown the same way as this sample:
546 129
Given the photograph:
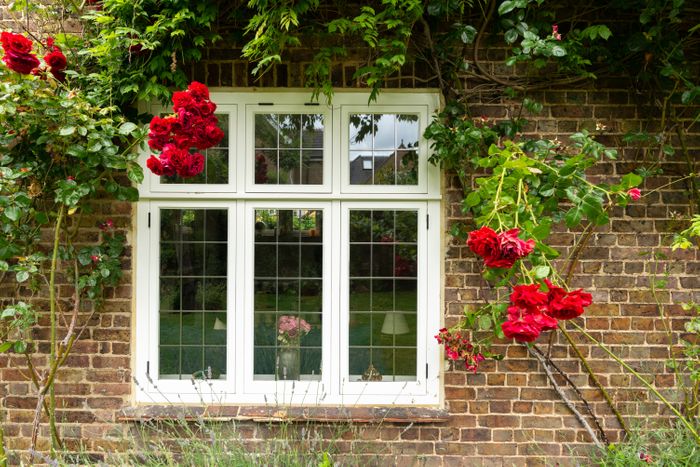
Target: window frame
260 386
241 199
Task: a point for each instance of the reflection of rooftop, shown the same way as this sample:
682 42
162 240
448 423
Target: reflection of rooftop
361 168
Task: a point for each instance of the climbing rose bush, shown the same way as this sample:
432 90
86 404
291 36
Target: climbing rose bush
526 188
192 125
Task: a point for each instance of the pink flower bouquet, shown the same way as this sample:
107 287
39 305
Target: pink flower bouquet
291 329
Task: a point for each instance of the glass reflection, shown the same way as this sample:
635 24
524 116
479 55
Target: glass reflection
288 258
193 289
383 295
288 149
384 149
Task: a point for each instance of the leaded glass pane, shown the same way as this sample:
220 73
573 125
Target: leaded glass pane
383 295
384 149
193 293
288 149
288 259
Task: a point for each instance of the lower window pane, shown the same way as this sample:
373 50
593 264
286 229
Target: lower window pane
288 259
383 295
193 293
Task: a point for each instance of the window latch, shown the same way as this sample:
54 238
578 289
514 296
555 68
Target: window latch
149 220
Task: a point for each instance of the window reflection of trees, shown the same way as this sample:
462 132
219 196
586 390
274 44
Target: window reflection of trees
377 163
289 148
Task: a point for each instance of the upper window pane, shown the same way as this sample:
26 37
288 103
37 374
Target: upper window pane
289 149
384 149
216 162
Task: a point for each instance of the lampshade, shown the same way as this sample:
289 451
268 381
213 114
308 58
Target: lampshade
395 323
219 325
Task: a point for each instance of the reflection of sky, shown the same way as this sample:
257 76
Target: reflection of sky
391 133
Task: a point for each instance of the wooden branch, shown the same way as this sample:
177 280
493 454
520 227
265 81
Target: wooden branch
568 380
564 398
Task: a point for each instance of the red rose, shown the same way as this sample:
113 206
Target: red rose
188 120
155 165
499 250
566 305
15 43
542 320
55 59
198 90
483 242
634 193
187 165
192 166
511 248
520 330
18 56
23 64
156 143
60 75
213 135
160 126
528 296
206 108
181 100
193 125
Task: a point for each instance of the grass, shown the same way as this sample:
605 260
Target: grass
664 446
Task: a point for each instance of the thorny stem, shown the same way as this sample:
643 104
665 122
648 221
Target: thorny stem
695 198
573 259
52 311
576 390
3 454
689 399
37 385
563 397
497 199
595 379
642 380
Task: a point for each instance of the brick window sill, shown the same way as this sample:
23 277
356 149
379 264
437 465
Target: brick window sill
397 414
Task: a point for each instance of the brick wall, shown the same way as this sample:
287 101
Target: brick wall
507 413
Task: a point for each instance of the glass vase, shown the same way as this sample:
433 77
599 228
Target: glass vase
288 364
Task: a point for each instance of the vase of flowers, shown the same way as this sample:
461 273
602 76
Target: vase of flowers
290 330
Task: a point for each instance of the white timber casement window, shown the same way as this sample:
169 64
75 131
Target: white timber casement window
323 216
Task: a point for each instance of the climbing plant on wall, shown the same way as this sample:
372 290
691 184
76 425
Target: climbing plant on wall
78 111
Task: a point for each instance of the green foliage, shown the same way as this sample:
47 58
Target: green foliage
683 240
272 27
525 184
61 150
668 446
137 47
